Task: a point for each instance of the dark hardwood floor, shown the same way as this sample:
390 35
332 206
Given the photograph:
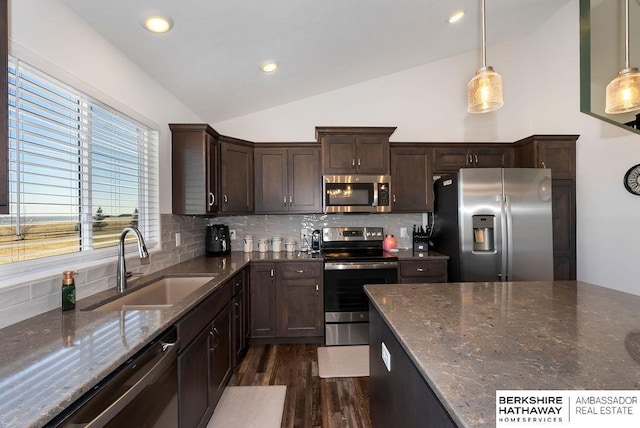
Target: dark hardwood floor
310 401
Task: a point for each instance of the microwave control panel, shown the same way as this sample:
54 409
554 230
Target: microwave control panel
383 194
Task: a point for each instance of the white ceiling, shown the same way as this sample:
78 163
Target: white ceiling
211 58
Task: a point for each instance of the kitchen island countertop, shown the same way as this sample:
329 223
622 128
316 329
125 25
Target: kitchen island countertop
470 339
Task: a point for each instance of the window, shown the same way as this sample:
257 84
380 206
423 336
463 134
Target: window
79 171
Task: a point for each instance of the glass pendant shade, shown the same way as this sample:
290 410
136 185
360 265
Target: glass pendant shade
484 91
623 92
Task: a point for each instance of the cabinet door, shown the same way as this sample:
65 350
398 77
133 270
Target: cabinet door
194 407
417 271
372 154
491 157
300 298
220 360
338 154
304 180
560 156
236 178
564 229
194 159
271 180
263 300
247 309
411 180
447 160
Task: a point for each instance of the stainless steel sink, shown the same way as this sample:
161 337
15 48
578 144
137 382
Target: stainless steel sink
163 293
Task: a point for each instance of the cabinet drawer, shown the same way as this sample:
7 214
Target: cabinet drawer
423 271
192 323
300 270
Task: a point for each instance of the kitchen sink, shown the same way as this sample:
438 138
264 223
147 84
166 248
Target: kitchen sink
160 294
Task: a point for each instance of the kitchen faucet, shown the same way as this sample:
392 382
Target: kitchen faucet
121 273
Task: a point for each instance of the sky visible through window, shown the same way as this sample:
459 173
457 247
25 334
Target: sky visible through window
74 170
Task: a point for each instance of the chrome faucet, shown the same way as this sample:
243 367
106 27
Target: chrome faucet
121 273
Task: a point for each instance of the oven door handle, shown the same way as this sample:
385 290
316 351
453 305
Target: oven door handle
167 357
359 265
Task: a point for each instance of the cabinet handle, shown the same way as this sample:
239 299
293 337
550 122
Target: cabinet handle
215 330
300 271
543 165
284 200
353 163
271 273
317 289
290 200
237 305
394 199
358 162
212 199
422 270
225 199
469 159
476 159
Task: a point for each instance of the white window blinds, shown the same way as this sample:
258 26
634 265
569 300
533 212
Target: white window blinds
79 171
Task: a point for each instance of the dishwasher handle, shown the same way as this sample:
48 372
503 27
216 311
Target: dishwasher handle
162 362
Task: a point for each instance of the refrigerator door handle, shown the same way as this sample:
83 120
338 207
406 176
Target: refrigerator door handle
504 273
509 244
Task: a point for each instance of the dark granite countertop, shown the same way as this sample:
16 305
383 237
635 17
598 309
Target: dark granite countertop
469 340
49 361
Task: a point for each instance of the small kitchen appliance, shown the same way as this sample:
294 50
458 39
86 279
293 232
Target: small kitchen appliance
217 240
315 242
356 193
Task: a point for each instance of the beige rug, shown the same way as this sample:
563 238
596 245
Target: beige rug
343 361
249 407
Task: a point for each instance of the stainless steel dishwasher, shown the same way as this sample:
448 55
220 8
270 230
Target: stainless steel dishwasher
143 392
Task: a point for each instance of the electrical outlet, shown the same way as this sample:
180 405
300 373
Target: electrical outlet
303 238
403 232
232 234
178 240
386 357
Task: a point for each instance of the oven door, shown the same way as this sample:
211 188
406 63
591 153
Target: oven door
346 306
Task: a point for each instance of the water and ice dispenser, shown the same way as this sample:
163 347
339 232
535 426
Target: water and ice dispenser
483 236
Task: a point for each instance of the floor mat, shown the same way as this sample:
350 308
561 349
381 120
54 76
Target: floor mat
343 361
249 407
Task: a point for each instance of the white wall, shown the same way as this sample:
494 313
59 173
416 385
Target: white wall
541 91
53 38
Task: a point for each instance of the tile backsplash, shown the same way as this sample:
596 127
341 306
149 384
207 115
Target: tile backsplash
32 297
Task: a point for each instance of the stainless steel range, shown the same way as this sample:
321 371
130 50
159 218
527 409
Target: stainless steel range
353 257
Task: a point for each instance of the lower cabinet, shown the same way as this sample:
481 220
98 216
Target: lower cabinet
416 271
209 350
287 300
399 396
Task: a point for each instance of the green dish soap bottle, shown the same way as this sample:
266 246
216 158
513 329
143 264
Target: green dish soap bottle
68 291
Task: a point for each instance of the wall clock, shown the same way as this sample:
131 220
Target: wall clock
632 180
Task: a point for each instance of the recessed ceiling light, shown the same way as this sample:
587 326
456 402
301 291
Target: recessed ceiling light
456 17
158 24
269 66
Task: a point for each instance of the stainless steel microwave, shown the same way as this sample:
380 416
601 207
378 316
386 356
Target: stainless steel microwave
356 193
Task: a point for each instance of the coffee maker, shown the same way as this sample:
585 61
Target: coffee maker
217 240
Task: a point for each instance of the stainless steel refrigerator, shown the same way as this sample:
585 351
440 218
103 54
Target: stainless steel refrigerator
495 224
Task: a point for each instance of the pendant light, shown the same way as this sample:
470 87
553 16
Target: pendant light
484 91
623 92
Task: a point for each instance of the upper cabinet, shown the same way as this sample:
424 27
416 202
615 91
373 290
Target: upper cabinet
354 150
449 158
557 152
411 178
236 176
288 178
4 133
194 160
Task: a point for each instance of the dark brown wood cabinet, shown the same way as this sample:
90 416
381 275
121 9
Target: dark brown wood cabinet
236 176
288 179
263 300
300 298
194 169
411 179
418 271
240 316
354 150
449 158
193 383
557 152
220 354
287 300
